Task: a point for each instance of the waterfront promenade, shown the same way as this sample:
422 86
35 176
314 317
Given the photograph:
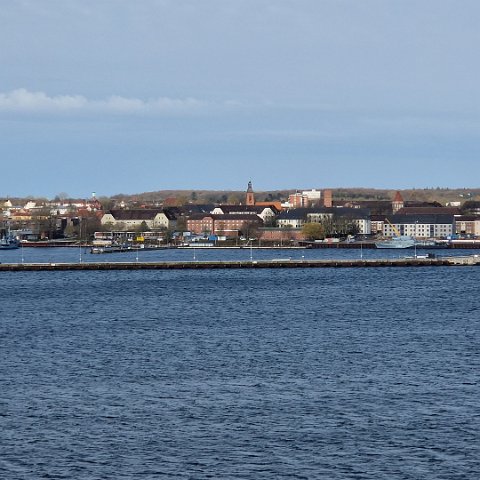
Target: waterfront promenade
272 264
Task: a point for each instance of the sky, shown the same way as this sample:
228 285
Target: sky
115 96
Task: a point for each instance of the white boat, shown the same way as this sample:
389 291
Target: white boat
403 241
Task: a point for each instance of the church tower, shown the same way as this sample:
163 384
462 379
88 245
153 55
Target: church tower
250 197
397 203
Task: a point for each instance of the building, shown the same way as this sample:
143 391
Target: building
297 200
280 236
327 199
266 213
397 202
344 218
419 226
339 219
228 225
132 219
305 199
294 218
250 196
467 225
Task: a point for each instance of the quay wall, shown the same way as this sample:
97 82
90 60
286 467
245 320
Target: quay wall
272 264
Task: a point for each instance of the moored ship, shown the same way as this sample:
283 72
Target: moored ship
402 241
9 242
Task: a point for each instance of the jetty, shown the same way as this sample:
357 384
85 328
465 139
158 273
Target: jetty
469 260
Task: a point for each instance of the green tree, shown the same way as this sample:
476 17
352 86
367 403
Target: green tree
143 227
313 231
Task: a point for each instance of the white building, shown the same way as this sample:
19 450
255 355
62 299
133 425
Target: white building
420 226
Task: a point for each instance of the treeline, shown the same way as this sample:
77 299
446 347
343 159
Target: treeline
182 197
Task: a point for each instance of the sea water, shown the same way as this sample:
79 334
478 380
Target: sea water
245 374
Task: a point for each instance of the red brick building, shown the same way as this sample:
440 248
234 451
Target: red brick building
228 225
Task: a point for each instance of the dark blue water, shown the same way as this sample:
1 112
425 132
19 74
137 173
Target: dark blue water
330 374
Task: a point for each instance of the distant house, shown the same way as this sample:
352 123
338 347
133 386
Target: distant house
132 219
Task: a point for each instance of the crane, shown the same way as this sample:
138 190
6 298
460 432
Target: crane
395 229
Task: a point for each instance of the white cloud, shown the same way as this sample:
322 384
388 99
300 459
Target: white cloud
22 100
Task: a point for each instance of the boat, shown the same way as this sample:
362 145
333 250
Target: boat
9 242
398 240
402 241
110 249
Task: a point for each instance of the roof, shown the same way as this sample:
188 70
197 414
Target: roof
275 206
398 197
421 218
377 218
229 216
467 218
244 208
246 217
200 216
378 207
192 208
428 211
417 203
296 213
140 214
301 213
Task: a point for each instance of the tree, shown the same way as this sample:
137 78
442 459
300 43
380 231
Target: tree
61 197
233 199
181 200
143 227
71 230
313 231
106 203
181 223
249 230
346 226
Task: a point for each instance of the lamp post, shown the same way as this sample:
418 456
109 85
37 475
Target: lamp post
415 238
80 238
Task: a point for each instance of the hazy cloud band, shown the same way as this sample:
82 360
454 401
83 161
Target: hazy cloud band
22 100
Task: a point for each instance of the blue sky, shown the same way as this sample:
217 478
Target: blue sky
118 96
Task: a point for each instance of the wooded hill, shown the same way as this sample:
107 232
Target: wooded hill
441 195
180 197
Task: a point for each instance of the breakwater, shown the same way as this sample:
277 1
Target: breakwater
272 264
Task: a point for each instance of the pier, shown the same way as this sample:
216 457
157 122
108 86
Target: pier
271 264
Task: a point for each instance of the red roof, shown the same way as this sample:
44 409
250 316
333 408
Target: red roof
398 197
